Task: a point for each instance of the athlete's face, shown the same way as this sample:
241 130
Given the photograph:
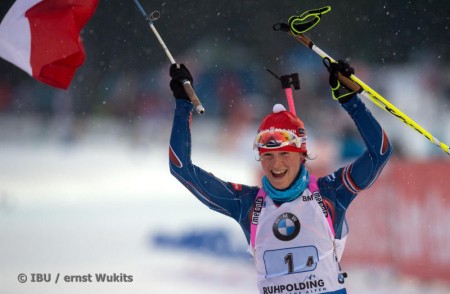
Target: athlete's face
281 167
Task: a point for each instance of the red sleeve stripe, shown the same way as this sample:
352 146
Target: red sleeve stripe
174 158
348 181
384 144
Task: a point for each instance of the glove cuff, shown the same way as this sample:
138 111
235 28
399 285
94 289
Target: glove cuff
346 98
341 93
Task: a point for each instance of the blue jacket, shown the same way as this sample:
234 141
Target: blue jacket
338 189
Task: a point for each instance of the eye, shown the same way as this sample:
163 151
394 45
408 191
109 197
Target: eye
267 156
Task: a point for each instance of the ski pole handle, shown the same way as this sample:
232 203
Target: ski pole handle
347 82
373 96
350 84
193 97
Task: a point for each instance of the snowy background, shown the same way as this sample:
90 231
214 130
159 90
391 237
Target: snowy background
99 205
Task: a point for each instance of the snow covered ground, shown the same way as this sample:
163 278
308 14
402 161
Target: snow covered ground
95 207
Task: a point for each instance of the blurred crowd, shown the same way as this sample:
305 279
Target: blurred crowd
123 87
237 92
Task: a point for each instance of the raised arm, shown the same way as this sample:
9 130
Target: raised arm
342 186
227 198
363 172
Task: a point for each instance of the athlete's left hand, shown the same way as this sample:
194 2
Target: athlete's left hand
339 91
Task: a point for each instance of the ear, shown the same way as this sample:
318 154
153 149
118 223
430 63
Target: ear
303 157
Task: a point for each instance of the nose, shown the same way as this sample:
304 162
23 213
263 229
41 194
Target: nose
277 162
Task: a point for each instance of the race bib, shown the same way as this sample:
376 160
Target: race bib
290 260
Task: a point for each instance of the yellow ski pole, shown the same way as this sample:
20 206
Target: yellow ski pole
298 25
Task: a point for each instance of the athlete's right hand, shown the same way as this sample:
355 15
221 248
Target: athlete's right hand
179 75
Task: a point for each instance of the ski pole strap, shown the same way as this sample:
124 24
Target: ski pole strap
297 25
307 20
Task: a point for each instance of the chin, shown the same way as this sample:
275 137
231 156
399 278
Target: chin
280 186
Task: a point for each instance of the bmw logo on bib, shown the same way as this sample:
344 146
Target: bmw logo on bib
286 227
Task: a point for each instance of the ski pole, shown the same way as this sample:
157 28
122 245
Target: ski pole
186 83
298 25
287 82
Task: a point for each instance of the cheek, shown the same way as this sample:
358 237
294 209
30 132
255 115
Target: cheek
295 164
295 168
265 164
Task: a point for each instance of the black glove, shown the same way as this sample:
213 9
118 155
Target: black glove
339 91
179 75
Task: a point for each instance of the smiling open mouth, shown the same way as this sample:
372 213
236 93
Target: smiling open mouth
278 174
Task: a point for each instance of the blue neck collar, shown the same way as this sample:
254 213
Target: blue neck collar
291 193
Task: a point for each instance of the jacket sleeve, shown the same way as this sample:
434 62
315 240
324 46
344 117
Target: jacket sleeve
342 186
363 172
234 200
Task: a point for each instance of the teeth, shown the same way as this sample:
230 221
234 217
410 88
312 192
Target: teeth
279 172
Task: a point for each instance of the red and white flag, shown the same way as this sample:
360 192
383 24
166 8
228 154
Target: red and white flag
42 37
